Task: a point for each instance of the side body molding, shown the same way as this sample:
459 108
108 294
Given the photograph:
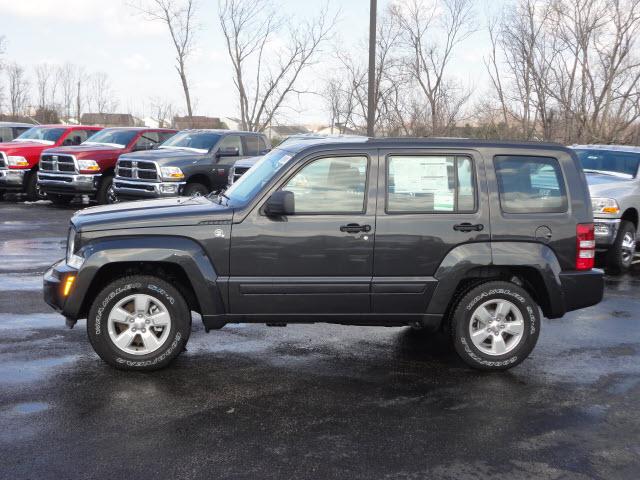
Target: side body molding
180 251
459 262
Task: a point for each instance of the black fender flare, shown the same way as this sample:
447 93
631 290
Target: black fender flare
459 263
181 251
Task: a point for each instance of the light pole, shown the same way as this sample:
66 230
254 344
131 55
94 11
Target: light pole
371 107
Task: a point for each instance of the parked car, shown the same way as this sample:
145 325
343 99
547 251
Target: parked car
19 158
612 175
242 166
12 130
194 162
88 169
438 234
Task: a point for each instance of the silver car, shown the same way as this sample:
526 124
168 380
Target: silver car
614 184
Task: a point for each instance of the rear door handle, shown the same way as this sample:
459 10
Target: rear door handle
355 228
468 227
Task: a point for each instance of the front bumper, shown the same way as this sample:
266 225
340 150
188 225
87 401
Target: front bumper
53 284
606 231
68 183
582 289
12 180
125 189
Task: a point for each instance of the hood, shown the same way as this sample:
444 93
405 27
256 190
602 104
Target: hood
170 212
90 152
11 147
164 156
601 185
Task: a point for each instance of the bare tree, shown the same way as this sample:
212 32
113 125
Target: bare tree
422 24
178 16
100 93
264 75
18 89
162 111
67 84
46 85
2 51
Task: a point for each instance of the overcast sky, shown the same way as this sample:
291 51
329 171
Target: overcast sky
107 35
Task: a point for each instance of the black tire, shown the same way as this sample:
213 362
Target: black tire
108 298
105 194
195 188
462 319
619 257
59 200
32 191
1 196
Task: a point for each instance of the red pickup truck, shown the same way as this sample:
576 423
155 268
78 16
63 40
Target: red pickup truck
19 157
88 169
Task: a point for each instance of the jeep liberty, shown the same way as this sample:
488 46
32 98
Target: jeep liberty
474 238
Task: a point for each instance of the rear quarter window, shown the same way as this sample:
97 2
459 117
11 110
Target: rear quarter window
530 184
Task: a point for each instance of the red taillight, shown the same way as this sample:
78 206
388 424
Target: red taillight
585 246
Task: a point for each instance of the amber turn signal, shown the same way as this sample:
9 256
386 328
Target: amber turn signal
68 284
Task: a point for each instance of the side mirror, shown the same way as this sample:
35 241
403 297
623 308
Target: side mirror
280 203
228 152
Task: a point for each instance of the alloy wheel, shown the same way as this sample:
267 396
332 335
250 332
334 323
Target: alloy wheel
496 327
139 324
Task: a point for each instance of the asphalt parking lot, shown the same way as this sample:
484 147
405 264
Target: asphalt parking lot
318 401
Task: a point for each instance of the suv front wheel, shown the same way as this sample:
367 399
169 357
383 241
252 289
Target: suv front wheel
139 322
495 326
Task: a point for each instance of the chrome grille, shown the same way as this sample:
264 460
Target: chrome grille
139 170
238 172
57 163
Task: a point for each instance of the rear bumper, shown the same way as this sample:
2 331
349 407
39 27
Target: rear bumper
582 289
68 184
128 189
12 180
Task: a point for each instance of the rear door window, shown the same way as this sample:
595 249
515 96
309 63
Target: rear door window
430 184
530 184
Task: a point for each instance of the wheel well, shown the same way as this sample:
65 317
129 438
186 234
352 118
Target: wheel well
170 272
526 277
200 178
631 215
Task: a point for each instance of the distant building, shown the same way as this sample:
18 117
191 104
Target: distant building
337 129
232 123
111 120
197 121
279 132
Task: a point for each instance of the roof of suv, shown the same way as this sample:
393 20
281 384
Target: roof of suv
294 146
618 148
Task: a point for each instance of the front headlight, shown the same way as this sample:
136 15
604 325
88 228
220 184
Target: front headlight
171 173
605 205
73 260
88 166
19 162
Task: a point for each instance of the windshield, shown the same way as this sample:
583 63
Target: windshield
200 142
45 135
114 138
249 184
610 162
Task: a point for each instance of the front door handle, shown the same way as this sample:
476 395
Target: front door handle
468 227
355 228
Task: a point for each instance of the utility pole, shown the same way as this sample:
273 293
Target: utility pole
371 108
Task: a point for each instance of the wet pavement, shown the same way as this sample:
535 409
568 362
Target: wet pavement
316 401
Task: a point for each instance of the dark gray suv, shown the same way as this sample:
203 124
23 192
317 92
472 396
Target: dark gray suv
477 239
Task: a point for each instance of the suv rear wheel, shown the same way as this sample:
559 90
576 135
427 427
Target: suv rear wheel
620 255
139 322
495 326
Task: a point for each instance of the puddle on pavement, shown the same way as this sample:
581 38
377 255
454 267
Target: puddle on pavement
29 407
27 254
16 281
28 371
